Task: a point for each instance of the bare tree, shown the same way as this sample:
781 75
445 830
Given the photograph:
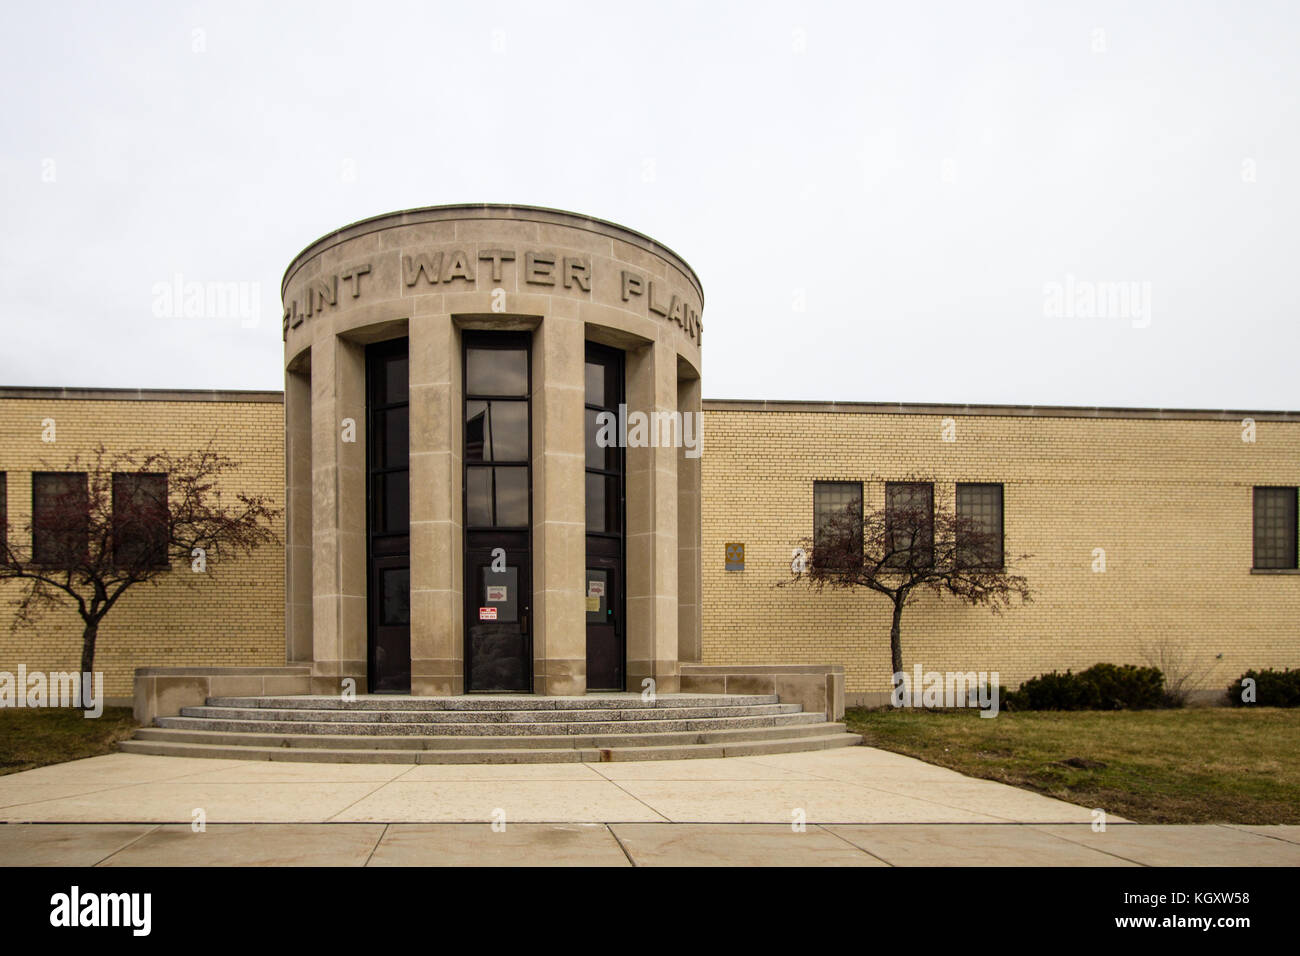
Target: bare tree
912 544
1183 673
106 524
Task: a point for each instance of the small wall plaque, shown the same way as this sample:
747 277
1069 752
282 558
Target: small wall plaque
735 556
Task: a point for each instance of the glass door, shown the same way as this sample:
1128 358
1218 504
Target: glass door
604 587
498 513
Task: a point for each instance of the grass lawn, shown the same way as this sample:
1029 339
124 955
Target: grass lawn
1201 765
36 736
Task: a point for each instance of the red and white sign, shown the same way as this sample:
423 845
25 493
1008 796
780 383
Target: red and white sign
487 614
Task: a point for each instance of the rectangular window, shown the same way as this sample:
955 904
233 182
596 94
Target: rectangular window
909 523
60 518
139 520
837 524
1275 528
979 526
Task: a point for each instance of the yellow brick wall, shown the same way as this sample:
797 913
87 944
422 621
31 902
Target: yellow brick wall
1168 500
235 613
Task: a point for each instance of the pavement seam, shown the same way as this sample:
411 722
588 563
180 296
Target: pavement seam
1241 828
619 841
654 810
824 828
128 844
382 834
953 806
332 817
1118 856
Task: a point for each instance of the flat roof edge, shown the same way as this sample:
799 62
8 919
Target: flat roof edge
140 394
1007 411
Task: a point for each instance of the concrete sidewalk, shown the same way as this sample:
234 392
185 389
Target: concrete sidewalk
861 807
644 844
849 785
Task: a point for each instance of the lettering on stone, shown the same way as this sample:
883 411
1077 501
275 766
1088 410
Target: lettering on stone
539 267
496 257
459 266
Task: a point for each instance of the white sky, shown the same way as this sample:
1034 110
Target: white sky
913 174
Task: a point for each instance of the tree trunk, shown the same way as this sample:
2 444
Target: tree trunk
88 646
895 636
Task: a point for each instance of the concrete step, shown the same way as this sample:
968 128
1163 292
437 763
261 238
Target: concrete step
538 742
495 702
505 756
368 726
584 715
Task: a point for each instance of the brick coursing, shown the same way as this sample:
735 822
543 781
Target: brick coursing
234 617
1168 500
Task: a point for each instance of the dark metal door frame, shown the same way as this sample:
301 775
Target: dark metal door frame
606 549
388 534
479 540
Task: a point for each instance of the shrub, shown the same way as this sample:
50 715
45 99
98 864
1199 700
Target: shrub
1100 687
1273 688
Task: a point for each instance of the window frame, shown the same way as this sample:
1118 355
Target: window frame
900 565
1001 563
163 557
39 548
1294 516
817 559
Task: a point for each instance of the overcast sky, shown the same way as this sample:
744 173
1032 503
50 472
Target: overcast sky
1037 203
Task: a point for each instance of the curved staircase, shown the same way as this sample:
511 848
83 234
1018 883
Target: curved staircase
489 729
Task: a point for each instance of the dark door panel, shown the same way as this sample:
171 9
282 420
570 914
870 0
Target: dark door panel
498 513
388 519
497 612
604 491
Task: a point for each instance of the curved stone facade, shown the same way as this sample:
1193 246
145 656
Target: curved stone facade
443 287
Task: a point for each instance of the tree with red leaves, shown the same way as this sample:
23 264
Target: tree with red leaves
114 521
909 545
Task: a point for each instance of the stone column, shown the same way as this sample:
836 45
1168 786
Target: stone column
338 513
652 527
559 504
437 613
689 598
298 520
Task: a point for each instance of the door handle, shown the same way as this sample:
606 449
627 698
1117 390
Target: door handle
523 621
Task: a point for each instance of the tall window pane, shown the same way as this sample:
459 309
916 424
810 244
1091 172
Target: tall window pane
837 524
139 520
979 526
60 518
1275 528
496 372
909 523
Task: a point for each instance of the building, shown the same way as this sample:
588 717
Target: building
455 521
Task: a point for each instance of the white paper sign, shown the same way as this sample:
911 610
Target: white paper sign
496 593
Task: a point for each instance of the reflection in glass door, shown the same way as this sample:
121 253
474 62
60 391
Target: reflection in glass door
388 519
604 587
498 511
